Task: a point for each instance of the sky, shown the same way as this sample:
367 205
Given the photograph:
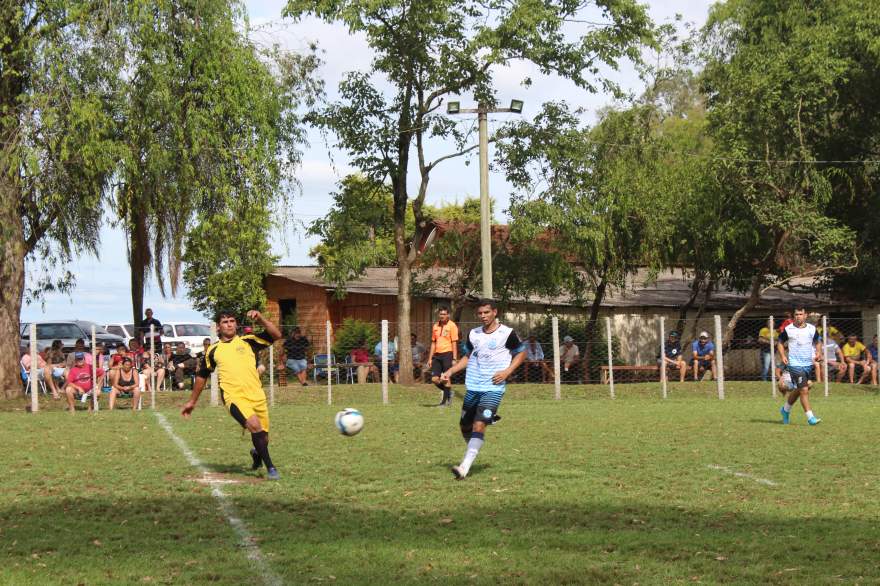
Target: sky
103 292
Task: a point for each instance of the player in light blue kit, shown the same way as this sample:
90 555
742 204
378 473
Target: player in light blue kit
804 347
494 352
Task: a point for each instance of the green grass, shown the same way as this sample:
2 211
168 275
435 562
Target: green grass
584 490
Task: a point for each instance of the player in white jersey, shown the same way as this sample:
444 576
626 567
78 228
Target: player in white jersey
494 352
804 346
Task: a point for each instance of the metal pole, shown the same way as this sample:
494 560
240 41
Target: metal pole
827 372
384 361
772 357
663 381
610 357
96 389
215 393
557 375
272 375
485 212
719 357
152 366
35 403
328 333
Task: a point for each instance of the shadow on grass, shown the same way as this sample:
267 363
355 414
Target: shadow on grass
476 539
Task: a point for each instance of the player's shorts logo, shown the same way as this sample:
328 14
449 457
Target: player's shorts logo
487 413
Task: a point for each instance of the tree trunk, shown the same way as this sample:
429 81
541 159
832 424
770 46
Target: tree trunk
138 262
591 327
706 295
12 256
751 302
696 287
404 302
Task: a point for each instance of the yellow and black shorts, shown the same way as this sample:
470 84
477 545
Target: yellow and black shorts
242 408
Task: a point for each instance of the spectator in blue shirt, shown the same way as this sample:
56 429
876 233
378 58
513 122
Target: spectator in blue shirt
535 360
673 358
393 367
703 356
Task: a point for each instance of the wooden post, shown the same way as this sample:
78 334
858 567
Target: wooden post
34 377
771 324
272 375
663 381
719 357
215 393
152 366
827 372
329 364
384 361
557 374
610 357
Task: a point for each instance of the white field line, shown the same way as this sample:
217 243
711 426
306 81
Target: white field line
727 470
244 536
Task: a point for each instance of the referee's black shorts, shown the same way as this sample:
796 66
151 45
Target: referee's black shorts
440 363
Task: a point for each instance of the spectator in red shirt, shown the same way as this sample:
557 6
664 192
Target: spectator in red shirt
361 356
79 380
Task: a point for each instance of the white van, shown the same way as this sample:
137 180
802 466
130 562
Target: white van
191 334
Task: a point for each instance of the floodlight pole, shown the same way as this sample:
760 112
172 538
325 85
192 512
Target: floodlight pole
482 113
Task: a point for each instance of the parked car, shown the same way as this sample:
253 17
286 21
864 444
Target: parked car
191 334
126 331
68 332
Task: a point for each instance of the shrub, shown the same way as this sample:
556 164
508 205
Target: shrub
350 333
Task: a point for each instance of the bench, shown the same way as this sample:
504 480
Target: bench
636 368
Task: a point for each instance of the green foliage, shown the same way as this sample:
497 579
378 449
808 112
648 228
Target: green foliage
350 333
580 332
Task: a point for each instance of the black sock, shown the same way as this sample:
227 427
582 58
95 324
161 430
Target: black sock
447 395
466 435
261 444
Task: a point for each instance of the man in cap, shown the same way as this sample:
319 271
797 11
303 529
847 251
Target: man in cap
568 358
672 356
80 381
703 355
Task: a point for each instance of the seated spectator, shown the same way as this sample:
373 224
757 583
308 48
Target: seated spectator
393 367
673 358
43 370
419 353
296 347
123 381
145 364
834 362
568 358
535 360
206 343
361 357
182 364
79 380
116 359
703 351
855 354
58 362
872 352
79 346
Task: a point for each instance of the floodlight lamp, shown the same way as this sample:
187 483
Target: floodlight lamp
516 106
453 107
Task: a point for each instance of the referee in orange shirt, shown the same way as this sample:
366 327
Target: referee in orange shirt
443 353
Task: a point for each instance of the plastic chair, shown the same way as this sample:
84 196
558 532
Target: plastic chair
26 380
325 365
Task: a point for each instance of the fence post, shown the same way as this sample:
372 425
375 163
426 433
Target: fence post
719 357
878 342
557 375
34 377
384 361
272 375
329 364
96 388
152 366
610 357
215 394
827 371
662 364
771 325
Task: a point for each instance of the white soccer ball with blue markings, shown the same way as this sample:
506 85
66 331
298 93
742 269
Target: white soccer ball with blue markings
349 421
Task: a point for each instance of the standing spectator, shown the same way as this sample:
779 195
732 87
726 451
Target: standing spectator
365 366
295 350
834 361
144 328
786 322
673 357
392 358
182 364
535 359
764 345
443 353
704 356
418 356
855 354
125 380
79 380
568 357
58 361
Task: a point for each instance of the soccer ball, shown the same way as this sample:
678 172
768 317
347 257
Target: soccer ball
349 421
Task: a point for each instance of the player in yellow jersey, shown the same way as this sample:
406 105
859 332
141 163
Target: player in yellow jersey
234 358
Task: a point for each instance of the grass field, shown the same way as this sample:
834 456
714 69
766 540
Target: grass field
584 490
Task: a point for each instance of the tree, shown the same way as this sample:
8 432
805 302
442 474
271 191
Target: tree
207 120
776 79
57 147
426 51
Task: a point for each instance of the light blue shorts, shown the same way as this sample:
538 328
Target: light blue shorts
297 366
